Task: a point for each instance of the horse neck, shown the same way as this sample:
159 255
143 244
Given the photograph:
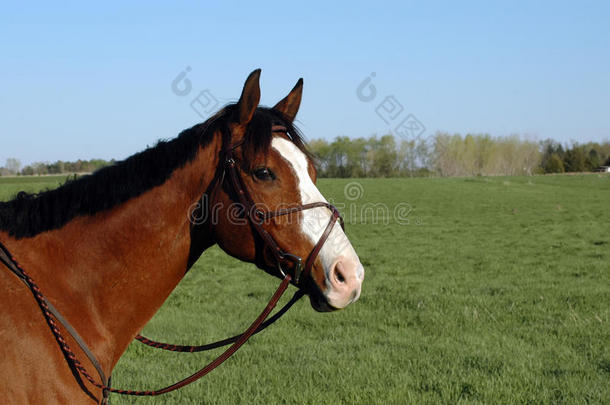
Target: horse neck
109 273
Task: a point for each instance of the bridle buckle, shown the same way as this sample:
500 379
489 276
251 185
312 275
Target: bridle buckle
298 266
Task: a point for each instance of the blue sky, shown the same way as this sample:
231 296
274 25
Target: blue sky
84 80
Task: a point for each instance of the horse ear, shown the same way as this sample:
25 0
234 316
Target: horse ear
250 97
289 106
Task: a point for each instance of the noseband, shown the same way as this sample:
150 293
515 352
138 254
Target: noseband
258 217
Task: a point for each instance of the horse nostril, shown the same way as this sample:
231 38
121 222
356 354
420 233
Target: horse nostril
339 272
343 283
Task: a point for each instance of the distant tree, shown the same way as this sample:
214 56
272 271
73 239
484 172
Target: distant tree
12 165
548 148
442 158
554 164
358 156
593 160
407 157
56 168
530 157
509 155
40 168
384 156
321 151
469 155
339 165
575 159
484 154
96 164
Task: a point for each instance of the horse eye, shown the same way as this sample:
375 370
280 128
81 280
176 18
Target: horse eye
264 174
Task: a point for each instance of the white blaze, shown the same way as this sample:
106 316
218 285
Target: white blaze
315 220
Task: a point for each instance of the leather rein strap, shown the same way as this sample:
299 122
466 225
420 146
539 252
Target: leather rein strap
50 314
257 218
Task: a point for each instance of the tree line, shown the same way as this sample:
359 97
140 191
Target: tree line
13 167
446 154
442 154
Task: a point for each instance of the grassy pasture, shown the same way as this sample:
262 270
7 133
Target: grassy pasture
478 290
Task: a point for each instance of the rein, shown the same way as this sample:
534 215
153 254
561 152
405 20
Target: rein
256 218
50 313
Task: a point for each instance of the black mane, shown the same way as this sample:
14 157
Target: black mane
30 214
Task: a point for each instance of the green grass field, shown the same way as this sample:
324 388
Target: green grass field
478 290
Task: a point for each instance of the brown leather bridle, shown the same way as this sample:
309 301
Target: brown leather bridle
257 218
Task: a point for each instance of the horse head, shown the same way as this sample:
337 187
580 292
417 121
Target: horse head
269 210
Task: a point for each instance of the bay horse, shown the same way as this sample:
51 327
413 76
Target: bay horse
108 248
